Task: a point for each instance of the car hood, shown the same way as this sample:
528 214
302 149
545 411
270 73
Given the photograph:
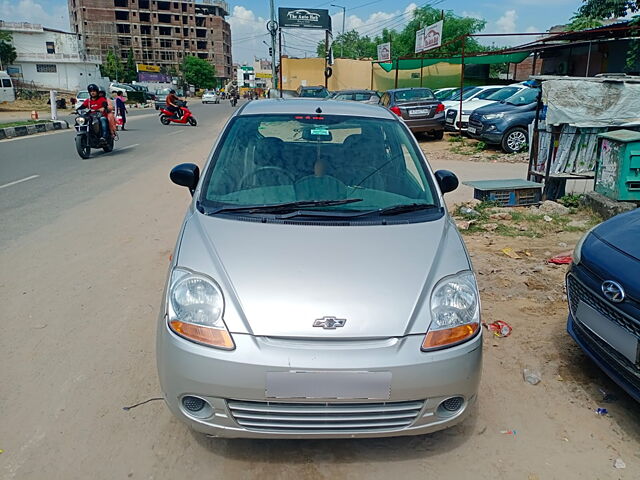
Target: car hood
622 232
277 278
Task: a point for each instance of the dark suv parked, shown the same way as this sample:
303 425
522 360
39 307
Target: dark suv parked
418 107
505 123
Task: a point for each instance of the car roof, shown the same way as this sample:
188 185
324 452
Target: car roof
308 106
312 87
356 90
410 88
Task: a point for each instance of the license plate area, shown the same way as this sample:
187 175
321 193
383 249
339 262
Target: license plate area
419 112
472 129
610 332
329 385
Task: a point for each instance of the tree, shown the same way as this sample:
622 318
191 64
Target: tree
130 72
112 67
350 45
198 72
7 52
403 42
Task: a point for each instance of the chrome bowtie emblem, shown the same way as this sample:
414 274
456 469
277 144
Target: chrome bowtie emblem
329 323
613 291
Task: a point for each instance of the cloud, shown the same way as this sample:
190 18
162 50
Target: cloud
32 11
477 15
248 31
507 22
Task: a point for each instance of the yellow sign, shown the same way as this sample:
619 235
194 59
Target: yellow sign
263 75
147 68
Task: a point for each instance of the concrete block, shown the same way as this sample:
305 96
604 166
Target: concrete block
48 127
31 129
21 131
605 207
3 135
10 131
40 127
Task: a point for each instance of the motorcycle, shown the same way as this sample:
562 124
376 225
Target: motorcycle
234 101
87 125
167 117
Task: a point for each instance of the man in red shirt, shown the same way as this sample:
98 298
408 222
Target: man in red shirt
172 104
96 103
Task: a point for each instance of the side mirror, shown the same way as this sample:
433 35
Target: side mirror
447 181
186 175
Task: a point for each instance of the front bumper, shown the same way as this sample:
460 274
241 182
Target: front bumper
226 379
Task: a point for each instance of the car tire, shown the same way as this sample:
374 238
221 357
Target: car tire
439 135
514 140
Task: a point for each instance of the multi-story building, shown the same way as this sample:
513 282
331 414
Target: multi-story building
48 58
262 69
160 33
245 76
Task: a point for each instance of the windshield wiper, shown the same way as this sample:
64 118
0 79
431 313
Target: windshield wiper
410 207
281 207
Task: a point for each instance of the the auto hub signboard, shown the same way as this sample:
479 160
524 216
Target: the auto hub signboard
429 37
304 18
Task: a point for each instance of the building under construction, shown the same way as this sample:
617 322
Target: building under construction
161 33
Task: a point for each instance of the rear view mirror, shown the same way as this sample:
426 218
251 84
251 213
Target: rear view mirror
447 181
186 175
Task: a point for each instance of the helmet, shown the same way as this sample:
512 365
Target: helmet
92 87
172 91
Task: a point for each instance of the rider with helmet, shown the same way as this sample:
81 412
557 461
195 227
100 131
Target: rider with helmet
172 103
96 103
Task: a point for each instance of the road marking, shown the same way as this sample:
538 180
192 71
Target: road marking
177 131
129 146
19 181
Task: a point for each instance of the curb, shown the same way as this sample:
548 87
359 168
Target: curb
605 207
11 132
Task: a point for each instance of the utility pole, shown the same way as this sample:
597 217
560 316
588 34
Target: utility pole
272 28
344 13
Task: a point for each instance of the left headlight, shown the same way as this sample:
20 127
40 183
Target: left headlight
455 312
195 309
80 120
493 116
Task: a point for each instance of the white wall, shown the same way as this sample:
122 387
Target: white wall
69 76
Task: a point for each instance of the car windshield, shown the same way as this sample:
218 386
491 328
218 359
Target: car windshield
503 93
456 94
523 97
486 93
83 95
276 159
444 94
414 95
314 92
470 93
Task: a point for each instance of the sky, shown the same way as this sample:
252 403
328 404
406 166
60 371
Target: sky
248 19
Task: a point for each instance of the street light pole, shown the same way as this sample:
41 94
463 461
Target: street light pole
344 14
272 28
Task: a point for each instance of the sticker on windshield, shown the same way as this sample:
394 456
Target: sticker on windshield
320 131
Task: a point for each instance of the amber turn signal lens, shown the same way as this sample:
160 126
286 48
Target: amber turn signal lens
449 336
205 335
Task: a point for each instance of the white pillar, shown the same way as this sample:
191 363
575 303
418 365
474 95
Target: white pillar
54 106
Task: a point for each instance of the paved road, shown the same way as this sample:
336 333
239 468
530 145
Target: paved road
84 249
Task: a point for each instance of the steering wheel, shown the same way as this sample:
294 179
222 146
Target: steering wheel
280 171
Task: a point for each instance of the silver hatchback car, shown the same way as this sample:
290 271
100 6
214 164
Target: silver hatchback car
318 288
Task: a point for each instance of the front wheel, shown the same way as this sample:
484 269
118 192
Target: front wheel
82 146
439 135
192 121
164 120
514 140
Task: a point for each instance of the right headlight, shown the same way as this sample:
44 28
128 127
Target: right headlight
80 120
195 309
455 311
577 252
493 116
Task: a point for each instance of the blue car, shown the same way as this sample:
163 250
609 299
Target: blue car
505 123
603 288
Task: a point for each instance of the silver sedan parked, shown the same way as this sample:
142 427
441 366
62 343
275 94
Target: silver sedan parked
318 288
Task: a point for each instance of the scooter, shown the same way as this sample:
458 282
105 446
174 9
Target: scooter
234 101
166 117
87 126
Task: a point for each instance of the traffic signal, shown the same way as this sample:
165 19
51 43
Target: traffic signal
270 52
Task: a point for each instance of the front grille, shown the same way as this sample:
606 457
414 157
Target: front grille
324 417
452 114
474 121
577 292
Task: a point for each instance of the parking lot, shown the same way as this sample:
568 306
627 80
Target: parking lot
85 247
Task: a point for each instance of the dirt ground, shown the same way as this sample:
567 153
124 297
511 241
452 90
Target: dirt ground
80 298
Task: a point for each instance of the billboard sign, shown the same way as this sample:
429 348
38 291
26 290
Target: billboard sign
147 68
429 37
384 52
304 18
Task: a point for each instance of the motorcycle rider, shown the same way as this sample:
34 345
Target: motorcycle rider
172 104
96 103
